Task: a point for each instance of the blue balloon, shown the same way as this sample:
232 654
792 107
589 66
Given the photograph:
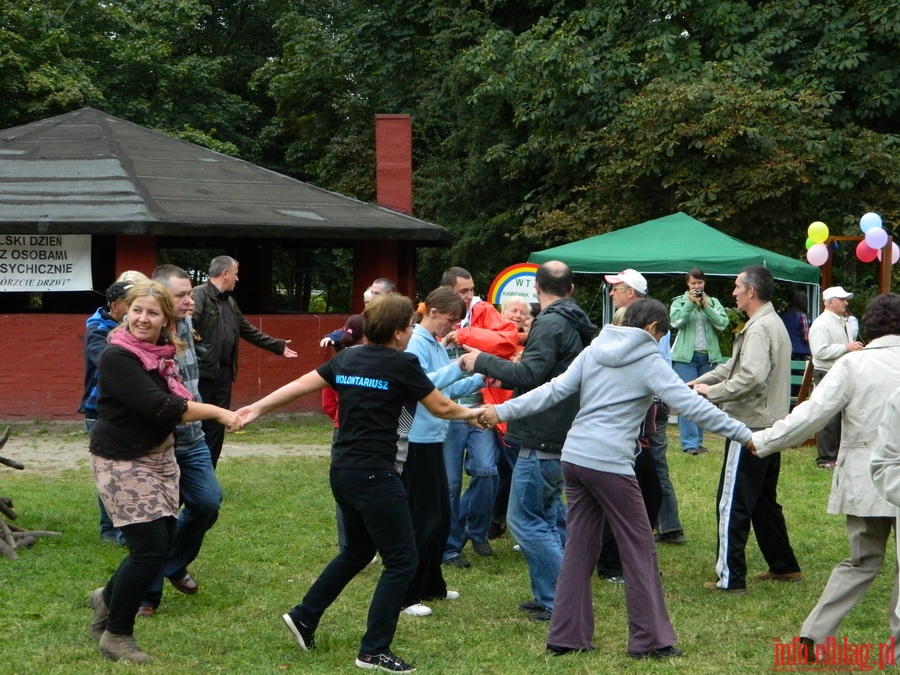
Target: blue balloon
868 221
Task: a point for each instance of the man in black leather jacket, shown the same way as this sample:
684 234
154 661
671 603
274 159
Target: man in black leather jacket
220 324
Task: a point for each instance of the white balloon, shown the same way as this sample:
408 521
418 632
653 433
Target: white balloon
895 253
876 238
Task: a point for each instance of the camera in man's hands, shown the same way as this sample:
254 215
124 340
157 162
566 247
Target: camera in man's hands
697 293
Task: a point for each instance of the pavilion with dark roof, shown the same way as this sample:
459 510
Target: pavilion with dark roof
135 191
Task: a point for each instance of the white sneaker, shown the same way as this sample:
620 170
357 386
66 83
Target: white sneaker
418 610
517 548
453 595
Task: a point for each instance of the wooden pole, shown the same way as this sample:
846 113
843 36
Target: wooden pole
884 267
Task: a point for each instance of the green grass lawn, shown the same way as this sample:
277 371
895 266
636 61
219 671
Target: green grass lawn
276 532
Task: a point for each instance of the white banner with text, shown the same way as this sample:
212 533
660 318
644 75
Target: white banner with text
35 263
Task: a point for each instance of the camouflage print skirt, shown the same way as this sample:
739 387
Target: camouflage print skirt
139 490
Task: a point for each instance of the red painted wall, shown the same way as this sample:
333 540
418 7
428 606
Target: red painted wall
42 371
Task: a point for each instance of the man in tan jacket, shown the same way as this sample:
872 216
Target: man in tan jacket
753 387
829 340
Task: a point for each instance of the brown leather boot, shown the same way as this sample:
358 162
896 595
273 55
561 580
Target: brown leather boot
101 611
121 648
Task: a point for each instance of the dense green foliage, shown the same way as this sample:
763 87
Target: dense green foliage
536 121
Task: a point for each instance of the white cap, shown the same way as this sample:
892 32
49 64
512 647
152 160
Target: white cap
835 292
629 277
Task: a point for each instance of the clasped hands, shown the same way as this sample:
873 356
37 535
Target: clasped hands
483 417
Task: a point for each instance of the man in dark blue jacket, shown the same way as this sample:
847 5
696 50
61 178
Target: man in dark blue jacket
97 329
536 515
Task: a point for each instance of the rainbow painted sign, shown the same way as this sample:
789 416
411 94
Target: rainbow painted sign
516 281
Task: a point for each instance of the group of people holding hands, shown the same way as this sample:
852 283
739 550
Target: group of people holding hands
394 477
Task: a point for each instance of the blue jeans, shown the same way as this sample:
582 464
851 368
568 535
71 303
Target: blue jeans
537 521
108 531
691 435
201 496
376 518
476 451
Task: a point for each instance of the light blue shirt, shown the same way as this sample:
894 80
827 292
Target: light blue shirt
665 347
447 376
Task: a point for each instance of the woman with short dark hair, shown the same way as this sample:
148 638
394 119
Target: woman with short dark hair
375 384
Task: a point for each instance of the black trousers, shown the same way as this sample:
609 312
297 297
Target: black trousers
506 463
425 480
148 550
376 518
747 495
217 391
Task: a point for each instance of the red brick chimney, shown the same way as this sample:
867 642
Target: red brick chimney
393 162
393 189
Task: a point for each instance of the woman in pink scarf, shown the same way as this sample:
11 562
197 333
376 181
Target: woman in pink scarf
140 403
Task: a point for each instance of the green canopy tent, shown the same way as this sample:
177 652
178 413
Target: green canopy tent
675 244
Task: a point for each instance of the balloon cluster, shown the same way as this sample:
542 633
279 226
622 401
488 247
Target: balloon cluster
876 238
816 250
867 250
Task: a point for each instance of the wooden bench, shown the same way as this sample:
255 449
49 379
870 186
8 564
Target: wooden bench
801 381
801 385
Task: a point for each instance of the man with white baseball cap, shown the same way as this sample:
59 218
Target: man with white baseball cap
829 340
651 467
631 280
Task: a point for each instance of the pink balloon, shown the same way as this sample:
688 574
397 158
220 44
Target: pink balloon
895 253
817 255
865 253
876 238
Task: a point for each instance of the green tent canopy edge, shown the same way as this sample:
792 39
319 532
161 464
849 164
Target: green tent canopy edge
671 245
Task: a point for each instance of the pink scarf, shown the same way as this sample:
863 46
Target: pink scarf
153 357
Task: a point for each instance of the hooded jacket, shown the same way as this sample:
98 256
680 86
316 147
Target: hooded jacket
615 379
558 334
97 329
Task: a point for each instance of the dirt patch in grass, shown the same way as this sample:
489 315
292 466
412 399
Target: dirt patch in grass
57 445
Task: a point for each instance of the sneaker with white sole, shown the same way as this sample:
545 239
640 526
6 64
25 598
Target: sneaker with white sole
305 636
386 661
417 610
453 595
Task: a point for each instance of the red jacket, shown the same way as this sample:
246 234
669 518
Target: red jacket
330 404
489 332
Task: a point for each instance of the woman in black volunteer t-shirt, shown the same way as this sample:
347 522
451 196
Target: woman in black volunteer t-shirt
375 383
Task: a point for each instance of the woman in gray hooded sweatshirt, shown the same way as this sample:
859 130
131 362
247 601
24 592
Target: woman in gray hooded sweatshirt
617 377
